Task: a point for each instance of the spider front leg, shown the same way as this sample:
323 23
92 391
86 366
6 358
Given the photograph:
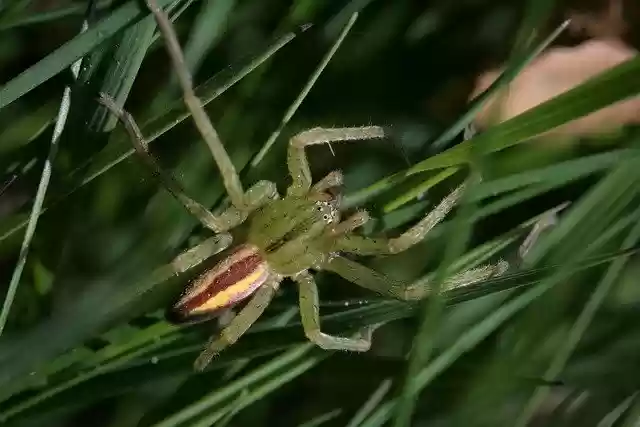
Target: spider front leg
310 314
229 174
297 158
239 324
332 180
257 195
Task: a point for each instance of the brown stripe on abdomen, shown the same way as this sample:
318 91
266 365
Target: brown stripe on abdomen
229 282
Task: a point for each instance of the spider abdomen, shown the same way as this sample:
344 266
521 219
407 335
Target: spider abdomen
230 281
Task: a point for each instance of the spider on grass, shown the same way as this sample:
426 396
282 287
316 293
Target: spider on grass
287 236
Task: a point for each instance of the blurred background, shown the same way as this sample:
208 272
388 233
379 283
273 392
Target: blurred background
85 340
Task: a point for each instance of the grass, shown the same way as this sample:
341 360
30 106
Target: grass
85 337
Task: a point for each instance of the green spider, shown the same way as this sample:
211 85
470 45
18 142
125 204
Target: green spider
287 236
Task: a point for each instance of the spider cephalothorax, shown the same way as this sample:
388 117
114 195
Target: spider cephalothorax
287 236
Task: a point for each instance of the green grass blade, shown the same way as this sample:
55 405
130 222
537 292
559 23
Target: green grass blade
61 121
372 402
614 85
293 371
609 87
433 308
519 63
322 419
71 51
124 65
418 190
232 389
237 405
77 9
579 327
612 418
207 30
561 173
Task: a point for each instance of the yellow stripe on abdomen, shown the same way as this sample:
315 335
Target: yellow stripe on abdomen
236 292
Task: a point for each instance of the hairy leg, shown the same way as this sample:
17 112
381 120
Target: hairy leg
227 169
310 314
377 282
239 325
362 245
200 252
257 195
297 158
370 279
333 179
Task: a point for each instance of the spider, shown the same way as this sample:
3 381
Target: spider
287 236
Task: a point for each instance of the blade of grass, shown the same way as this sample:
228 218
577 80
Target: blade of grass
632 415
372 402
433 308
67 54
618 183
515 66
322 419
124 65
292 372
284 361
237 405
614 85
207 30
466 342
563 172
418 190
613 417
61 120
304 92
22 359
578 329
544 179
9 22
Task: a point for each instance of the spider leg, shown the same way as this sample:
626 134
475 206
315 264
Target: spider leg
356 220
362 245
297 158
257 195
377 282
310 314
239 325
227 169
333 179
200 252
